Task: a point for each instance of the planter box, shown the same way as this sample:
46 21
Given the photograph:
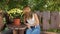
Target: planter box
49 33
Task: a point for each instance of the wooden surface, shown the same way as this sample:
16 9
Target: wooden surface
14 32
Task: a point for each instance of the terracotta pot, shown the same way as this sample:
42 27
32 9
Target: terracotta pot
16 22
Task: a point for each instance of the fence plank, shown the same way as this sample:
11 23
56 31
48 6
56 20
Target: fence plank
46 17
54 20
59 21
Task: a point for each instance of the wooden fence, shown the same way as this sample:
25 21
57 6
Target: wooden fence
51 20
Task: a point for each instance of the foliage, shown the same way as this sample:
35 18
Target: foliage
3 4
51 5
37 4
53 30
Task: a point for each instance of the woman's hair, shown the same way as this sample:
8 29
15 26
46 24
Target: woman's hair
26 6
29 15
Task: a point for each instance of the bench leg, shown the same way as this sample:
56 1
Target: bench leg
14 32
21 31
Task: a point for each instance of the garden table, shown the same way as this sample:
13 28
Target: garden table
17 29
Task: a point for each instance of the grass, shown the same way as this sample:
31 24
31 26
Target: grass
53 30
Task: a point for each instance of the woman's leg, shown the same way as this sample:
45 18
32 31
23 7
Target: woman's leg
36 30
28 31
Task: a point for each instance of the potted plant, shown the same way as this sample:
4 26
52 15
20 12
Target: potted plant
17 16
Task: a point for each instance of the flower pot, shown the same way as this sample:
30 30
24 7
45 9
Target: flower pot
16 22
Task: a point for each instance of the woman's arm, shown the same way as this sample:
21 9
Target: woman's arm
26 23
25 20
36 19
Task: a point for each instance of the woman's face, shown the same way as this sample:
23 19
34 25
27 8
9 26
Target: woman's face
27 10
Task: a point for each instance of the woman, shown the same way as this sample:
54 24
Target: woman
31 20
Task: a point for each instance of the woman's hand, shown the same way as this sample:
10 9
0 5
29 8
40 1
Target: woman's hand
28 26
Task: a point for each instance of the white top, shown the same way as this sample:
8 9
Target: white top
31 21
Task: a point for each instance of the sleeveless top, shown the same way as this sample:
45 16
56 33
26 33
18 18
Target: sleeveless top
31 21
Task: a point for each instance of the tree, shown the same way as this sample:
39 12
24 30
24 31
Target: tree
51 5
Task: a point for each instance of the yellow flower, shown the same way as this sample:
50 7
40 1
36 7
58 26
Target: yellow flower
14 11
8 12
